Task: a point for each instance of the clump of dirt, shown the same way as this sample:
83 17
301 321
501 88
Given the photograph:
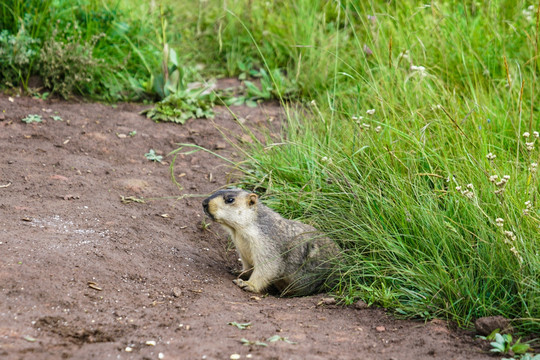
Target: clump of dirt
101 258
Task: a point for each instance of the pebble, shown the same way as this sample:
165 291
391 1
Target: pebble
360 304
151 343
326 301
486 325
235 356
128 349
177 292
380 328
161 356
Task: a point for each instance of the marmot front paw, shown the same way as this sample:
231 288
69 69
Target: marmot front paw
244 285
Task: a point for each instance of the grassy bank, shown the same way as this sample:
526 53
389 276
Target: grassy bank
394 160
413 139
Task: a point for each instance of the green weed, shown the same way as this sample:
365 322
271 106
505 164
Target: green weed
152 156
66 66
183 105
32 118
17 54
503 344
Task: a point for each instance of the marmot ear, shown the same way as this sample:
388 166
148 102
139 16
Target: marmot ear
252 199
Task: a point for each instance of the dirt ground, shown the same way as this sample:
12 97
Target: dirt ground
85 276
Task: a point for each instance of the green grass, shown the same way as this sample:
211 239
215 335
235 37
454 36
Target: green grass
450 82
413 241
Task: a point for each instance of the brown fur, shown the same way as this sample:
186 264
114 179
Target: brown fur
292 256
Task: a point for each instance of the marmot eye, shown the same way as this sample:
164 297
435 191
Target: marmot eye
229 200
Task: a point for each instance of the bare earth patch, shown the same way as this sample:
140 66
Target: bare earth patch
84 275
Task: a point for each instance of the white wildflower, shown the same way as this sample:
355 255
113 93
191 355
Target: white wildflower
493 178
536 134
470 186
370 112
491 156
533 167
529 146
510 235
405 54
468 194
516 254
378 129
499 222
365 126
419 69
526 134
528 208
503 181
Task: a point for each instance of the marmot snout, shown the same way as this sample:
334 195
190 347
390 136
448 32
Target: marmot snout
292 256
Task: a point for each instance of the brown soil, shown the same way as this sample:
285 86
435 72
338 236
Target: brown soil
85 276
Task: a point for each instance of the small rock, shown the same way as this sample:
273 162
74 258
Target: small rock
220 145
380 328
161 356
327 301
234 357
360 304
128 349
176 292
151 343
255 298
59 177
121 136
486 325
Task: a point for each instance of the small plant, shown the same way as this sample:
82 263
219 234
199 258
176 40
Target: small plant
503 344
241 326
247 342
275 338
247 69
132 133
41 96
273 85
183 105
17 54
56 118
32 118
67 65
152 156
526 356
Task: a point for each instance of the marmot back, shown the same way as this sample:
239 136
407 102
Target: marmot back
292 256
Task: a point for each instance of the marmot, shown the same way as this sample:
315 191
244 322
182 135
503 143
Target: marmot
289 255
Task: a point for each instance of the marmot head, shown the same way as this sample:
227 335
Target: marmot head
232 207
